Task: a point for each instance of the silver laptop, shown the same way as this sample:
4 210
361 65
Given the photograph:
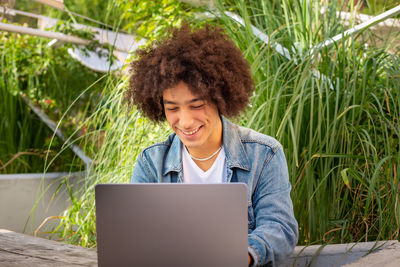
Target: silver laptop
171 224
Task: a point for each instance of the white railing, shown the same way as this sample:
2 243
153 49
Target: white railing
347 17
46 34
262 36
358 28
278 47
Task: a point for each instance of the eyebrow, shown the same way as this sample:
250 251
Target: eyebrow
187 102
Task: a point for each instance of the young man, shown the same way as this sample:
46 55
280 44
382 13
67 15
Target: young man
194 80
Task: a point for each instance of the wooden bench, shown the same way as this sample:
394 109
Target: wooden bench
24 250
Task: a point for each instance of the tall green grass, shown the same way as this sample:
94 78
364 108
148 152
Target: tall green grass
340 133
115 137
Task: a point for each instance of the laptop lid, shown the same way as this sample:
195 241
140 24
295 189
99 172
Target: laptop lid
171 224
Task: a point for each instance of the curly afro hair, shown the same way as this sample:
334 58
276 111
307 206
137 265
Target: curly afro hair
206 60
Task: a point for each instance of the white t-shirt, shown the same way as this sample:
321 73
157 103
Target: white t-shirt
192 174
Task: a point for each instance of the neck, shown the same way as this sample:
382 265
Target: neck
206 158
206 164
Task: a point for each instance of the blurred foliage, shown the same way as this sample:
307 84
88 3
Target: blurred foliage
146 19
51 79
151 19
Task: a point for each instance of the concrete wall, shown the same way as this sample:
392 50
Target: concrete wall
338 254
19 194
389 256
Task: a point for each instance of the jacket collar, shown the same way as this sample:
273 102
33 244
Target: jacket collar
173 159
236 156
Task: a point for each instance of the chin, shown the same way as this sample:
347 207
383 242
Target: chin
191 144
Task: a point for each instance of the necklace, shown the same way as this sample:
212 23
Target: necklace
204 159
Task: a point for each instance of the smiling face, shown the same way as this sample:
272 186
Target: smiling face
195 120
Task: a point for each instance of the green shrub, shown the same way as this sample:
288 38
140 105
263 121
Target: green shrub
51 79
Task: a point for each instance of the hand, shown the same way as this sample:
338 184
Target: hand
250 260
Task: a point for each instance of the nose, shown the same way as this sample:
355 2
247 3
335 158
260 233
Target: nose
186 119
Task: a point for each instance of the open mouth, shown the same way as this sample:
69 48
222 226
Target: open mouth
188 133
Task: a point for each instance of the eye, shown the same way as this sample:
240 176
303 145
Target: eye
172 109
198 106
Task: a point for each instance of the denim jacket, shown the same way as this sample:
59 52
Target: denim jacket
251 158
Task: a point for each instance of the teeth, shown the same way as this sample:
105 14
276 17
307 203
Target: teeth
192 132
